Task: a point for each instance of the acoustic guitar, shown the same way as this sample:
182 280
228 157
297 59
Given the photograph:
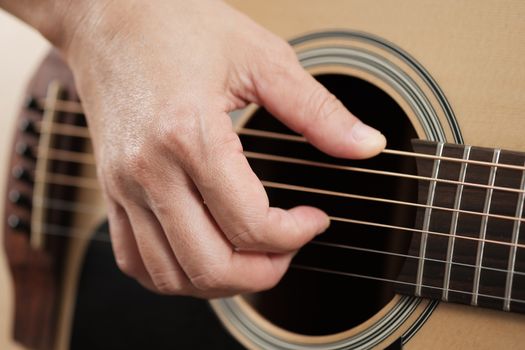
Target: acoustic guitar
427 244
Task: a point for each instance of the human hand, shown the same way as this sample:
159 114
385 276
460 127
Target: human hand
157 79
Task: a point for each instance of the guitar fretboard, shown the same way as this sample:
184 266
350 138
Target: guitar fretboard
471 239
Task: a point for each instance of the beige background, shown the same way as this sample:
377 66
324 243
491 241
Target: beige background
21 48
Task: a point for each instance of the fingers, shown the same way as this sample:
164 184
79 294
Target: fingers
304 105
124 246
239 204
160 263
207 257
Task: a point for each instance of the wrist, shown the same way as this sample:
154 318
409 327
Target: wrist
54 19
73 20
63 21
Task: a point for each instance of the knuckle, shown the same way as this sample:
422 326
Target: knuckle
130 168
165 283
247 236
228 142
213 279
183 132
324 105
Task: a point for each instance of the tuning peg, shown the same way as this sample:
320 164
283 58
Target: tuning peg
32 103
24 150
19 199
27 126
22 174
18 224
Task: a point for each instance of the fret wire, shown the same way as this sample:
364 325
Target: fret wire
483 231
512 254
84 235
454 224
426 220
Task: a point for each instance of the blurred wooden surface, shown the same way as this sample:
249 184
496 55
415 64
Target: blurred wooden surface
21 50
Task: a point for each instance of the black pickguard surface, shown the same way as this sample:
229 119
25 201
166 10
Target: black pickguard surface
113 311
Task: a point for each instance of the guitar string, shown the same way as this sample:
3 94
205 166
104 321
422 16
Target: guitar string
71 232
92 183
394 281
65 204
409 256
324 270
88 159
76 108
330 271
296 138
288 137
388 280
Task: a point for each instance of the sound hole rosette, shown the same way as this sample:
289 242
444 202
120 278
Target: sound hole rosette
391 69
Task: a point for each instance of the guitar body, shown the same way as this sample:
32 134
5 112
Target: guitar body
442 71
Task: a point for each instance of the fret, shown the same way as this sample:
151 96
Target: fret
486 271
483 230
513 249
454 224
426 222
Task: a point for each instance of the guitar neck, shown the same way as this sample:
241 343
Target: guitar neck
469 245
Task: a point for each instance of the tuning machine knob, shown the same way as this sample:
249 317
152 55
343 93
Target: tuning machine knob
22 174
20 199
28 127
23 149
18 224
31 103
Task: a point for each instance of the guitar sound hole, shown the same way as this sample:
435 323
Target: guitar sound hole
320 303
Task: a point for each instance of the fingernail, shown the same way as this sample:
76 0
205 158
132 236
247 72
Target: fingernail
361 132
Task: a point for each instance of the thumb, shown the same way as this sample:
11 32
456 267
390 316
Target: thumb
307 107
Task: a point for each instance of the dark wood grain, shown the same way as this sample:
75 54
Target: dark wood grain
495 257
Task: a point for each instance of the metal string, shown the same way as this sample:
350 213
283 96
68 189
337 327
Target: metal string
73 107
92 183
104 237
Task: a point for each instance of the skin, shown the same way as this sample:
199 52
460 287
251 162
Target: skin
157 79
